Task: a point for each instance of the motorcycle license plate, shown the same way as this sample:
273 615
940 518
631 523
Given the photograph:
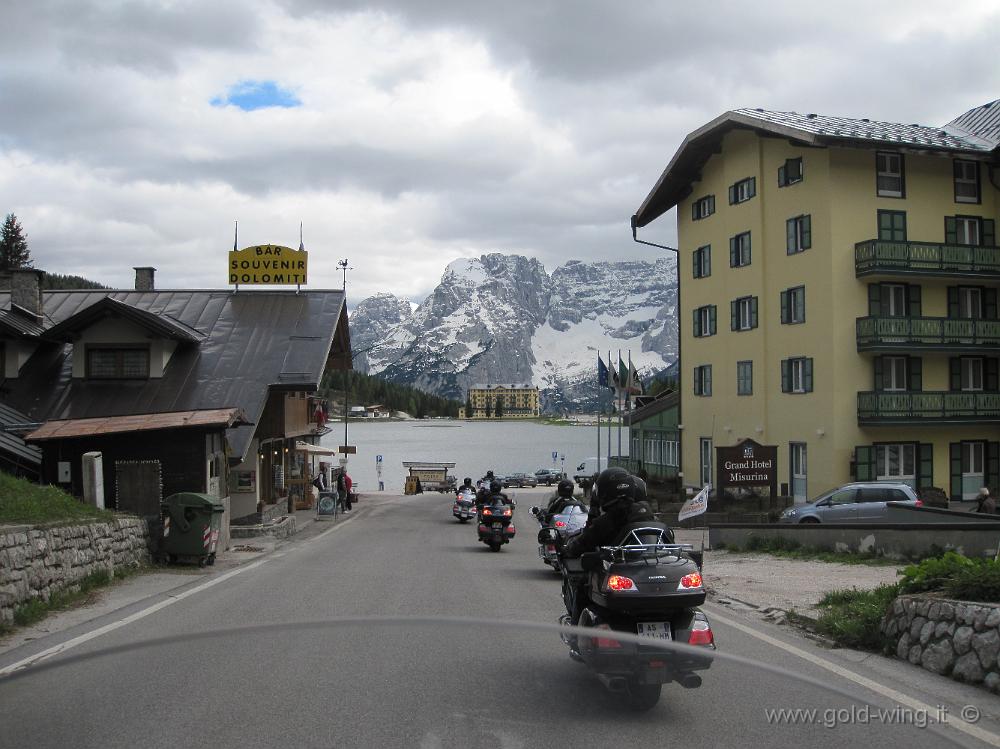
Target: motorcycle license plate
497 526
656 630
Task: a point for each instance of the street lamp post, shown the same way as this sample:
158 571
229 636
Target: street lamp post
344 268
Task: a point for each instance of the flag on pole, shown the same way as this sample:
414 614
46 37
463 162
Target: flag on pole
635 384
623 381
696 505
615 382
602 373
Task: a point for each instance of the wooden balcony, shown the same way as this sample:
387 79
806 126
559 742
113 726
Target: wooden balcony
942 334
884 258
927 407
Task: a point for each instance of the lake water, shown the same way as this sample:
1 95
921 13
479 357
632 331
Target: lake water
474 446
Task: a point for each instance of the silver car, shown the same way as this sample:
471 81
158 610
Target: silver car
861 502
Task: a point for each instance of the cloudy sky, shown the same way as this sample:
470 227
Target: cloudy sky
407 133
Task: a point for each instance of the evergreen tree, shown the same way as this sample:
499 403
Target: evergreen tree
13 245
468 405
499 408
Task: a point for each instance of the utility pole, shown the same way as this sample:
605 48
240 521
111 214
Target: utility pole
345 267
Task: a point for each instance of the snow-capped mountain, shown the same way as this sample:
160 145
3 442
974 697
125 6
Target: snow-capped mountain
503 319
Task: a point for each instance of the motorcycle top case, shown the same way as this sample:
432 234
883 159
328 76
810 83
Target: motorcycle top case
656 583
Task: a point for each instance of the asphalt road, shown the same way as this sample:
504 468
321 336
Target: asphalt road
394 628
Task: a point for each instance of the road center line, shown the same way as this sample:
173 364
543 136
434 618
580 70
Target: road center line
972 730
152 609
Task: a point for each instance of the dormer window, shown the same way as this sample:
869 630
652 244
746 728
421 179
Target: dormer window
118 362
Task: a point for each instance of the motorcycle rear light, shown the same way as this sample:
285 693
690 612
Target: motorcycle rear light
605 642
689 581
701 633
657 664
550 547
507 513
619 583
482 529
560 524
487 512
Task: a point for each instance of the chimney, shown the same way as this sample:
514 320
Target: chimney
25 286
144 278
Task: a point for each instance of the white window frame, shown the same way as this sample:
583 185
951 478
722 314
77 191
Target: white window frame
705 460
969 177
744 375
743 245
705 321
744 190
798 375
894 374
889 166
973 374
702 262
885 455
796 304
744 313
970 303
969 230
703 208
896 294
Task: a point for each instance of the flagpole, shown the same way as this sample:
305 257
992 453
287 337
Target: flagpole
620 405
614 378
600 400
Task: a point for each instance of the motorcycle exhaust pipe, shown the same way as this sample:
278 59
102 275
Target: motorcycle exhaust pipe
614 684
690 681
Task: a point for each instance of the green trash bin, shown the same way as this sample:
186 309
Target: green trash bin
191 526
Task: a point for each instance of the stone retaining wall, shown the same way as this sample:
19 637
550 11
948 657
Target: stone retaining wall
35 562
953 638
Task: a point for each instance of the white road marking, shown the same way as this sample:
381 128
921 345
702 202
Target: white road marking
79 640
904 699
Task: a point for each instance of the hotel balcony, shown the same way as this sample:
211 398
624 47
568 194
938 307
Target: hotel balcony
876 257
941 334
960 407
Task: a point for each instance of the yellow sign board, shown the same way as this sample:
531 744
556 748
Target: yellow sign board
268 264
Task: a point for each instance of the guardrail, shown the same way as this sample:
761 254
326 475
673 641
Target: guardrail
926 258
892 407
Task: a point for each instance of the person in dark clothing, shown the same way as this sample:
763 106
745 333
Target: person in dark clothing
986 503
558 501
483 493
603 483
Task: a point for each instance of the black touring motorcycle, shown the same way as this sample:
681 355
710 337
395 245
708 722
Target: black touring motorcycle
644 587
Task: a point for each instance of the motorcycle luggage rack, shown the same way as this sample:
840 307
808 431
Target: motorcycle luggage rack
632 552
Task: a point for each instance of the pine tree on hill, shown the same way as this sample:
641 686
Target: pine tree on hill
13 245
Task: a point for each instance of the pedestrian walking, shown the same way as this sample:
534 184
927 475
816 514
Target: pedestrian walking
342 490
987 504
348 484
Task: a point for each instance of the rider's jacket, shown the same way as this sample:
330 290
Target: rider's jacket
609 528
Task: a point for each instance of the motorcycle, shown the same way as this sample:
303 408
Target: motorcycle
570 521
465 505
496 523
647 586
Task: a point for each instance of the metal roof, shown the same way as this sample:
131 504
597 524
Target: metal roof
253 342
665 400
14 322
969 135
66 428
12 444
160 323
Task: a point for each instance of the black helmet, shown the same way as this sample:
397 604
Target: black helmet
621 493
489 474
466 481
604 485
495 487
565 488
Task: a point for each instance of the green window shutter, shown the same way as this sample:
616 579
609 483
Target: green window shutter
955 373
694 211
708 379
878 373
732 252
711 320
707 262
991 382
711 204
925 473
732 194
953 301
733 314
955 466
914 371
993 465
790 236
884 225
990 304
753 312
782 178
784 307
753 186
694 263
874 300
697 323
950 230
989 233
786 375
800 305
864 463
913 297
808 375
807 232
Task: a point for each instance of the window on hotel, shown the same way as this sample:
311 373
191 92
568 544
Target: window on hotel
743 313
890 180
969 230
701 261
974 373
797 375
790 172
118 363
744 378
703 207
966 181
704 321
798 234
898 373
703 380
743 190
793 305
972 303
892 226
739 250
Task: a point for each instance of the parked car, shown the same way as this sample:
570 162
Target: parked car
520 480
548 476
860 502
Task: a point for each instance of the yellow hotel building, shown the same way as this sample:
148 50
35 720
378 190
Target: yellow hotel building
516 402
838 296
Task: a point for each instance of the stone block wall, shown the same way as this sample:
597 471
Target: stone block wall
953 638
35 562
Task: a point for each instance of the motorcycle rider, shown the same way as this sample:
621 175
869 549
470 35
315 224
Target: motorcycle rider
466 487
605 477
558 501
621 501
483 487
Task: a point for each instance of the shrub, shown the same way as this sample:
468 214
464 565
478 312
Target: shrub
933 572
853 618
980 582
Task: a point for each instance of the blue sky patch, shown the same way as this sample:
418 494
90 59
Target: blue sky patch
251 95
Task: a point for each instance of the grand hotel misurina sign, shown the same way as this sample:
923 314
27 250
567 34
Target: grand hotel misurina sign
268 264
745 465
